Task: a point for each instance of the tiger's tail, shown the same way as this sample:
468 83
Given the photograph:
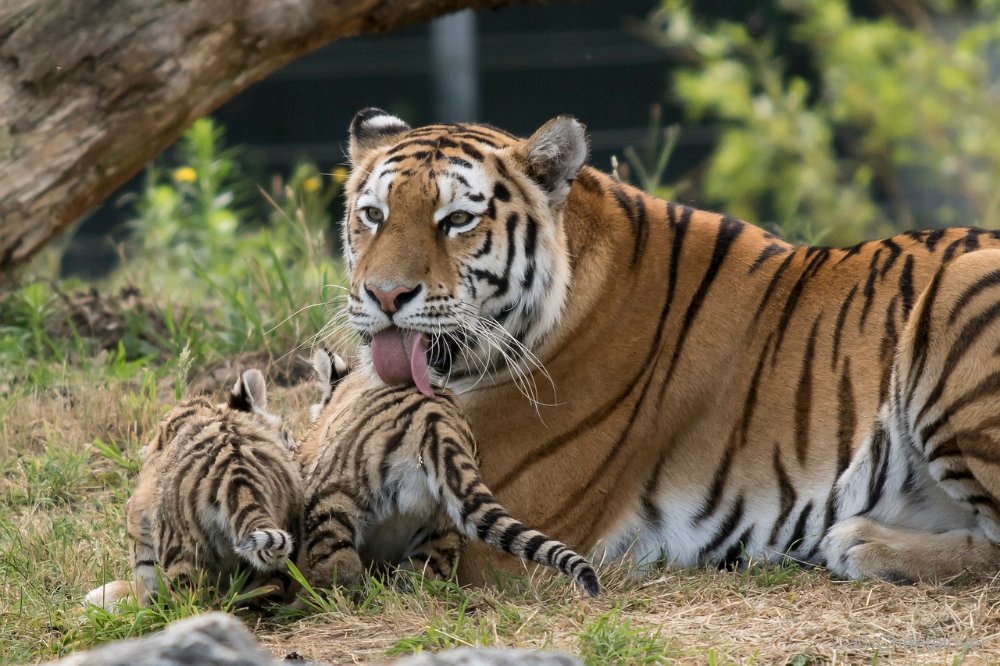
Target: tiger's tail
265 549
479 514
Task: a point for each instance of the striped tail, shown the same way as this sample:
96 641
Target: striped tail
486 519
265 549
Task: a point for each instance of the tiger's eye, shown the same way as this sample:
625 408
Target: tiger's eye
459 218
373 214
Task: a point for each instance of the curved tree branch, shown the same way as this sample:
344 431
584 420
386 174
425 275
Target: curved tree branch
91 90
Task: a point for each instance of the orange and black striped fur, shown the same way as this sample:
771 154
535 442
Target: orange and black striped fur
219 491
753 397
391 478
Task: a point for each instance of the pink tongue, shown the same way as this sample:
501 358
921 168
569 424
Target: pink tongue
401 358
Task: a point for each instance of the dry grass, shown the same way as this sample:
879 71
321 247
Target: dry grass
62 533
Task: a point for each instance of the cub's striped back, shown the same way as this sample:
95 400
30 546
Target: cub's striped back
219 491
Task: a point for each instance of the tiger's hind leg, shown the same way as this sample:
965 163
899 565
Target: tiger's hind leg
947 390
331 524
435 558
863 548
932 508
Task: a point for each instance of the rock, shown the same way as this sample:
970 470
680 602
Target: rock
490 657
213 639
218 639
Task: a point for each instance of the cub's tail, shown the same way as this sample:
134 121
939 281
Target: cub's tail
265 549
499 529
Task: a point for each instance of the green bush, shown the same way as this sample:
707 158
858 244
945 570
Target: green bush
891 121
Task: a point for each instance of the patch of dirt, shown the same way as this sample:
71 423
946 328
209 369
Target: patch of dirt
107 319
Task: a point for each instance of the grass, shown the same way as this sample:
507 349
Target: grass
78 400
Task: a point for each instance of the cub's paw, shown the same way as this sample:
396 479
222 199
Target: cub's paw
110 595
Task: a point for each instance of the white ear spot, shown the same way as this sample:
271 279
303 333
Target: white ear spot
554 155
341 366
372 128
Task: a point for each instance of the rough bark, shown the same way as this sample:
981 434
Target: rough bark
91 90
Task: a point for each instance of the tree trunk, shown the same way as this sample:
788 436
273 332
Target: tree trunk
91 90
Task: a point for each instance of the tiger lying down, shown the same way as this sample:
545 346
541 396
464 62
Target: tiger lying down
390 474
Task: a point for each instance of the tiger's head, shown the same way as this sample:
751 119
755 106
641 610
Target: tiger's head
455 246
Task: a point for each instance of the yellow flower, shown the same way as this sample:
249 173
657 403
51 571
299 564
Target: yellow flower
312 183
185 174
340 175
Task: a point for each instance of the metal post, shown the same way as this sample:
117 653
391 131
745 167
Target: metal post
455 68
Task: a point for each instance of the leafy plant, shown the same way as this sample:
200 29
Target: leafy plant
879 123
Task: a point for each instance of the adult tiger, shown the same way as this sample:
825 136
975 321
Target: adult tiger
709 391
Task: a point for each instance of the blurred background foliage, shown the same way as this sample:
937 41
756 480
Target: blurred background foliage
842 121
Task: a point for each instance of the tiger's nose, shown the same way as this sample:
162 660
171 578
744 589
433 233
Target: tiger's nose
392 299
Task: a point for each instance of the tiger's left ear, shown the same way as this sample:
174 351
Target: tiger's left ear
554 155
372 128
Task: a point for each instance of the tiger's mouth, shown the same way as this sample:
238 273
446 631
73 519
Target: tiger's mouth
392 354
400 357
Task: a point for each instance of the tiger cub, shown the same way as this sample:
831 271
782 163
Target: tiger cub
220 488
390 474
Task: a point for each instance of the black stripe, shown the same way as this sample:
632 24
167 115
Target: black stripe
733 558
803 396
812 266
472 504
880 457
894 252
991 279
798 532
488 520
718 486
470 150
530 238
922 338
650 511
958 349
766 254
869 289
727 527
786 496
838 328
906 286
532 546
729 230
513 531
772 285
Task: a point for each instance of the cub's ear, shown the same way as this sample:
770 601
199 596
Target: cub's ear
330 369
372 128
554 155
249 394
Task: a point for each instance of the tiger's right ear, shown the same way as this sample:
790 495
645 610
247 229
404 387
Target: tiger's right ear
372 128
